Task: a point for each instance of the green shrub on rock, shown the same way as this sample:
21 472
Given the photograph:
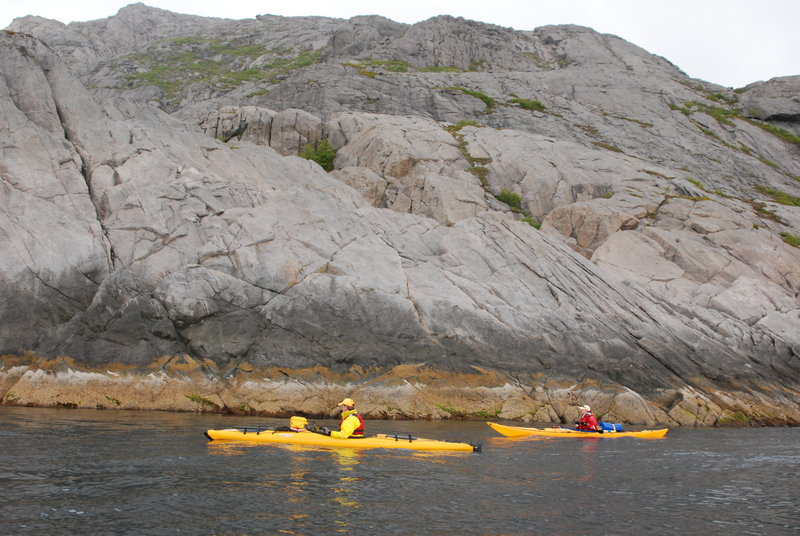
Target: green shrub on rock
323 154
791 239
512 199
532 105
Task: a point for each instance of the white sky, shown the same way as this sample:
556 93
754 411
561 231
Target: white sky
728 42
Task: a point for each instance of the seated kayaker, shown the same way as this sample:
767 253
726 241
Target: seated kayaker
352 424
588 422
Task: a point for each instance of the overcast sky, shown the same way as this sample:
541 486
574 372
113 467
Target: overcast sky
728 42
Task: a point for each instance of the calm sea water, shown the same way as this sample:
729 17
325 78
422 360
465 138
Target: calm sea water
113 472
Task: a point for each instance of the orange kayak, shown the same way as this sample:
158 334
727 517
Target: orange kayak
521 431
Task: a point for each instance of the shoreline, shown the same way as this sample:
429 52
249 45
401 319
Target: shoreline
287 415
409 392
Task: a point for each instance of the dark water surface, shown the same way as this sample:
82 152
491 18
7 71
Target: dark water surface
114 472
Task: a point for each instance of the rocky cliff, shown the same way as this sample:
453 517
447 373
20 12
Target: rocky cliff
515 222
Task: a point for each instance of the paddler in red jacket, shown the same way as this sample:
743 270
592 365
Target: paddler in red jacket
588 422
352 424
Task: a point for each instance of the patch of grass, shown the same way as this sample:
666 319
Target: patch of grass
533 105
228 49
366 65
487 414
441 69
684 110
639 122
722 115
643 124
189 40
720 97
530 221
607 146
477 160
462 146
200 400
779 197
394 66
11 397
512 199
113 400
590 130
696 183
362 70
791 239
452 411
763 212
478 168
482 173
734 419
487 100
258 93
777 131
461 124
540 62
177 63
768 162
323 154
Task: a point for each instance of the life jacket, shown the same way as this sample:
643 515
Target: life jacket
588 422
358 432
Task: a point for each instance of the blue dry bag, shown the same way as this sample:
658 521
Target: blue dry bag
611 427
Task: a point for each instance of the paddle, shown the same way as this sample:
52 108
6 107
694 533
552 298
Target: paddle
321 430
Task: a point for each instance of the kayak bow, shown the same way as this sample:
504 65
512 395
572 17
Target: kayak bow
521 431
385 441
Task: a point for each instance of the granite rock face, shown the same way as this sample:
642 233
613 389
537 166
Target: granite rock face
517 221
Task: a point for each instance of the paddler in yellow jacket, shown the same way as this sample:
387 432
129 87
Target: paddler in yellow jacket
352 424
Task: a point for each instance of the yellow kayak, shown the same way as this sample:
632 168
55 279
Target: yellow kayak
305 437
520 431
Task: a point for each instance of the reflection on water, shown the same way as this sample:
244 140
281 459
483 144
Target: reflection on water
589 458
229 448
345 492
91 472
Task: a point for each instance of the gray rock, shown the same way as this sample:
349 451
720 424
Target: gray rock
775 100
659 280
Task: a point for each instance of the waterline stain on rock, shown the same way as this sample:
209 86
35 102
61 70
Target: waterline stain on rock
412 391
